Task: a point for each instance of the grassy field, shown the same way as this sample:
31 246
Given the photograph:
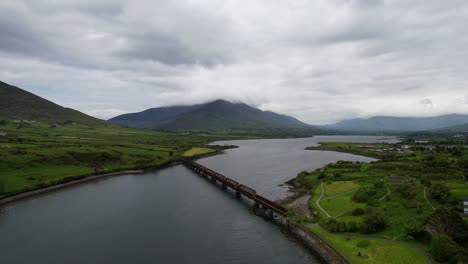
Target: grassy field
37 154
197 151
375 251
338 187
340 204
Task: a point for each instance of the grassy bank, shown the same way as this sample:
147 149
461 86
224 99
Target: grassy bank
198 151
36 155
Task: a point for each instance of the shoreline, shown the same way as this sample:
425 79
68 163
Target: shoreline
92 178
342 151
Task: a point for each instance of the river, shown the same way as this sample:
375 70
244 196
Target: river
168 216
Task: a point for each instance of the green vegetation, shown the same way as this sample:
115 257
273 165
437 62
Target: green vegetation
444 249
412 193
35 155
198 151
368 250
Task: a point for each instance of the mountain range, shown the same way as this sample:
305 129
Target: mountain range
400 124
218 116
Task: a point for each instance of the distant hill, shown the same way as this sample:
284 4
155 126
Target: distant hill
217 117
19 104
455 129
399 124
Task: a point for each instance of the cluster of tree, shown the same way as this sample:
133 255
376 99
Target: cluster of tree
370 195
448 233
441 193
340 226
303 180
3 122
407 189
96 157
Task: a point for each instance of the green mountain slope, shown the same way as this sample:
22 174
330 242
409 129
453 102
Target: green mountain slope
18 104
216 117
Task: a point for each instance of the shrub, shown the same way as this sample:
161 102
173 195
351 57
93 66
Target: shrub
338 226
363 244
440 192
443 248
352 226
414 228
379 185
322 175
358 211
361 196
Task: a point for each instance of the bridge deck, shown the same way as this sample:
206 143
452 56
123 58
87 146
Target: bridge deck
236 186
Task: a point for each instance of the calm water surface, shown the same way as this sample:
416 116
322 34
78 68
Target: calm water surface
170 216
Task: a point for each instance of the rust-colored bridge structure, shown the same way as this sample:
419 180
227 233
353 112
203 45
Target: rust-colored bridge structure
240 189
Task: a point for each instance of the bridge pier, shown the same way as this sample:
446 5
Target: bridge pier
263 206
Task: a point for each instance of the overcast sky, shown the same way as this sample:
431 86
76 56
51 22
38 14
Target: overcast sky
317 60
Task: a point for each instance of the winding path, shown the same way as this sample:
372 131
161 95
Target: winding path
383 197
427 200
317 202
342 213
341 194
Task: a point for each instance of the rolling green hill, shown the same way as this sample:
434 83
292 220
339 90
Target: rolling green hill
18 104
216 117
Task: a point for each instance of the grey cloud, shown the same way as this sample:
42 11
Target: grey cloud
17 35
91 7
426 102
319 60
167 49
